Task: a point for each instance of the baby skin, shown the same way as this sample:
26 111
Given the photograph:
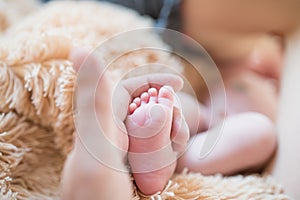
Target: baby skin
85 177
245 136
156 134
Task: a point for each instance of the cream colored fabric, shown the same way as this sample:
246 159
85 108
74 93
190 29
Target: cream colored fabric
36 88
11 11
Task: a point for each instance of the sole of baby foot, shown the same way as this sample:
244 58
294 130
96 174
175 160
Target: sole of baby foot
149 125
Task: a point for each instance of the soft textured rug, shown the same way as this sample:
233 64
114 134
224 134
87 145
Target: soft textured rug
36 88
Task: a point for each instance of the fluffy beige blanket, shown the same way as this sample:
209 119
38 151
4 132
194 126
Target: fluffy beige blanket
36 88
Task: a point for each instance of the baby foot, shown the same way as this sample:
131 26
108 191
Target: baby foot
149 124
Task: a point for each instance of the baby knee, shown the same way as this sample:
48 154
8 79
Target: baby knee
264 131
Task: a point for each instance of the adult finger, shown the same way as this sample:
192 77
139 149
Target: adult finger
135 86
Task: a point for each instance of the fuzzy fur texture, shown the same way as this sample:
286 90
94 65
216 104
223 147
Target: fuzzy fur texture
36 89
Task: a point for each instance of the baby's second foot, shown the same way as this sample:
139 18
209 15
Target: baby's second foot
149 126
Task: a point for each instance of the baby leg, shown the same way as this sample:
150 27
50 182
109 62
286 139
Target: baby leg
245 141
195 114
152 124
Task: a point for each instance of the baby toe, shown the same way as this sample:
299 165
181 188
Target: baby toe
153 95
166 96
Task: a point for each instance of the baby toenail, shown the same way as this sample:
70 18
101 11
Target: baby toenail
132 107
144 96
152 92
137 101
